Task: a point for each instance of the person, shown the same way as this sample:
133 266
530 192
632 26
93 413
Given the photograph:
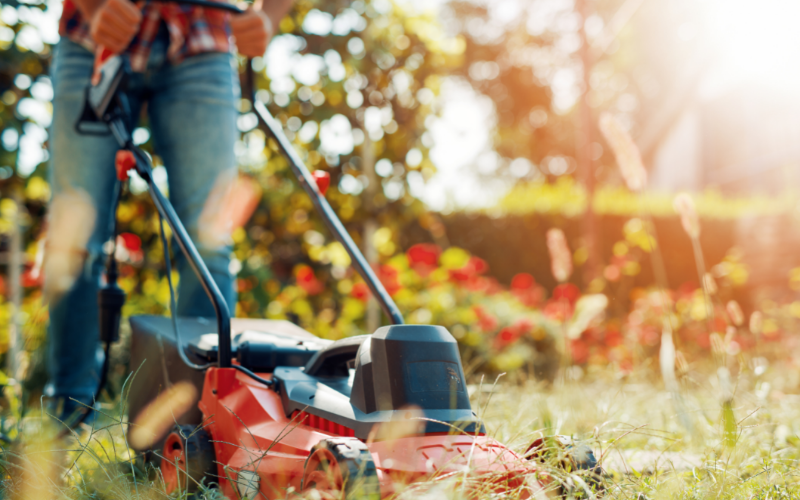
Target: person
183 72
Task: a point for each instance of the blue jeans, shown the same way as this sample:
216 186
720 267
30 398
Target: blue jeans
192 112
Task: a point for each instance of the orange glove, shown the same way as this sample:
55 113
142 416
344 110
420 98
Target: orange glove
253 31
114 24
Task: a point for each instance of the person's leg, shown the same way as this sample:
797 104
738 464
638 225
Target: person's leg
193 117
80 165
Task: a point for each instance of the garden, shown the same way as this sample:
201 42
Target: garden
590 293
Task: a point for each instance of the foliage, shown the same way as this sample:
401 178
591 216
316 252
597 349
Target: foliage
499 63
363 78
567 198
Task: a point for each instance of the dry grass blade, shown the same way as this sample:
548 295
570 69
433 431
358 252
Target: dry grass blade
560 256
588 309
666 357
161 414
756 323
71 222
35 475
411 425
684 206
735 312
229 206
625 150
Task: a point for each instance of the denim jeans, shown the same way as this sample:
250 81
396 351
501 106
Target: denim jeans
192 112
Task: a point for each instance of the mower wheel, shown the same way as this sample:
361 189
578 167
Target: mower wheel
569 456
187 459
342 468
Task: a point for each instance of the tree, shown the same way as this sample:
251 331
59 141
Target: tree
352 83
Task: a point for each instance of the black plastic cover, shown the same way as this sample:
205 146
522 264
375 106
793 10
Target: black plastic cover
415 365
363 393
395 368
150 367
265 357
263 350
336 359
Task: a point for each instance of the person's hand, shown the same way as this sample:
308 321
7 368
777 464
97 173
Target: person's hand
253 31
114 24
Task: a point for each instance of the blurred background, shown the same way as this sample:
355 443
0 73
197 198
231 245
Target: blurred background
458 136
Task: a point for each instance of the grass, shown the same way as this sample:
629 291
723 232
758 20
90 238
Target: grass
631 422
633 425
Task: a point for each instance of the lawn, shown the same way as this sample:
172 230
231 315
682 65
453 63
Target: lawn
652 444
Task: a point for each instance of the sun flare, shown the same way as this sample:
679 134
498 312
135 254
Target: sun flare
756 40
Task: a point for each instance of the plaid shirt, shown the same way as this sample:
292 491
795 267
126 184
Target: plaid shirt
192 31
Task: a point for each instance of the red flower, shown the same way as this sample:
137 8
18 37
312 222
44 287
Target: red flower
425 254
493 286
486 321
307 280
557 310
523 326
478 284
507 336
462 275
613 338
568 292
360 291
245 284
522 281
131 242
524 287
31 278
531 297
474 267
579 351
388 276
479 266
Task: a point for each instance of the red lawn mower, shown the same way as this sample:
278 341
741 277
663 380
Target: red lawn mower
282 410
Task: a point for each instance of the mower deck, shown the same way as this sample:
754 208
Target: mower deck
276 447
401 418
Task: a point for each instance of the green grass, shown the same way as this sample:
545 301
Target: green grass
631 422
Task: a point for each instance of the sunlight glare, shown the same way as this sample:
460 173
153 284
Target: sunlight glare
756 40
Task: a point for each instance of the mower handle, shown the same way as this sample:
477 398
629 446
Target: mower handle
207 4
116 121
306 181
324 209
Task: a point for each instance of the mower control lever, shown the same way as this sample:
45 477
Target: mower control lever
323 180
112 74
309 184
116 122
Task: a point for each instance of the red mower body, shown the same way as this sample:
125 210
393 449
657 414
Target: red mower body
391 407
250 432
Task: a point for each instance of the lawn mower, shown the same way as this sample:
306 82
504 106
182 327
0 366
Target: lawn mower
281 410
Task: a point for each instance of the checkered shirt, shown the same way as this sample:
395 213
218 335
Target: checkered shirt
192 31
